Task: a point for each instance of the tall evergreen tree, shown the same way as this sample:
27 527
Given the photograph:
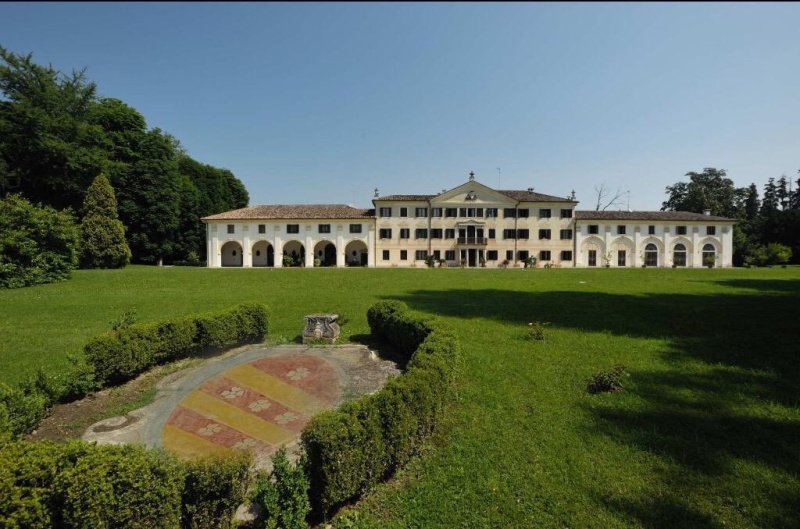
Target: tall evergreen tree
782 192
102 235
770 202
751 203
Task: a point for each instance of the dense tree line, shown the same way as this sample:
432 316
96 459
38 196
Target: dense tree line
764 222
57 134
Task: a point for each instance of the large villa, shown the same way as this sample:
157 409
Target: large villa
470 225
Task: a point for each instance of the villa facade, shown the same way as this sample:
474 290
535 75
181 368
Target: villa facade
471 225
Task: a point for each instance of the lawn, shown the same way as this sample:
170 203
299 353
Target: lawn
706 433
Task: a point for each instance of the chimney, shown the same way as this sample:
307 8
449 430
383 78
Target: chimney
471 176
707 212
376 193
530 190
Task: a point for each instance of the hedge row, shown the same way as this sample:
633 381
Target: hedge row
125 353
81 485
365 441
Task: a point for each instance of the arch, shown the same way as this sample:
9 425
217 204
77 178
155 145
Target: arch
231 253
593 249
679 254
325 251
263 254
356 253
622 249
709 255
294 253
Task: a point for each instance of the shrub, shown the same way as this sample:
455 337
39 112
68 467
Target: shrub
283 494
130 350
213 489
21 409
352 448
607 381
102 235
37 244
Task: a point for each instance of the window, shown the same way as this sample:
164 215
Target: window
679 255
651 230
436 212
404 255
292 228
404 212
544 234
566 255
436 233
385 233
262 228
620 230
479 212
421 212
523 234
386 255
709 255
680 230
509 234
450 255
385 212
462 212
437 254
491 233
593 229
450 233
355 228
451 212
620 257
509 213
522 255
566 235
544 255
510 255
592 257
421 233
230 228
545 213
324 228
491 213
405 233
711 230
523 213
651 255
420 255
491 255
566 214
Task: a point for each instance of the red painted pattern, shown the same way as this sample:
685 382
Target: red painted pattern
310 374
194 423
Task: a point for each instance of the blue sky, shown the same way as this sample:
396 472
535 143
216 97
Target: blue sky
324 102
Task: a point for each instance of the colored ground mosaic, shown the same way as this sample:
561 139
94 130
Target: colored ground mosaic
256 406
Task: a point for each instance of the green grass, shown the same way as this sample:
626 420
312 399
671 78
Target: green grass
706 433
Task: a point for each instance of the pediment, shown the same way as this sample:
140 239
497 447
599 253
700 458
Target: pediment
472 192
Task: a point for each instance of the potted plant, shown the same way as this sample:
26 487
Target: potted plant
504 264
607 258
288 260
442 263
483 262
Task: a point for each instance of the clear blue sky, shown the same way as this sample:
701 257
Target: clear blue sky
324 102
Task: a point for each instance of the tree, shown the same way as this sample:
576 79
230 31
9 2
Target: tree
606 200
770 202
751 203
710 189
38 244
102 242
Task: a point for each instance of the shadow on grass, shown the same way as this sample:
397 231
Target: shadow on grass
700 416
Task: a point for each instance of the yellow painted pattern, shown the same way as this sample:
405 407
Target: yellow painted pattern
274 388
238 419
187 445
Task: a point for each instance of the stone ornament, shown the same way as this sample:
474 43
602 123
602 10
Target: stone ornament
321 328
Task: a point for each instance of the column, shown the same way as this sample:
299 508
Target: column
371 248
607 249
340 244
697 260
277 245
309 244
637 246
665 238
247 250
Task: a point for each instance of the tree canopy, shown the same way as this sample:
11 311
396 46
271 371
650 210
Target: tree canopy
57 135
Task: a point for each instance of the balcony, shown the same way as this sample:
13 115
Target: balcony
477 241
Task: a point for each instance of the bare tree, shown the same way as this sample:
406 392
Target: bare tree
605 199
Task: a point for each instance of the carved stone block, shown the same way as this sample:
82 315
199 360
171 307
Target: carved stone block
321 328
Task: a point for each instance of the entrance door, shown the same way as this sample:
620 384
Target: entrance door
473 257
592 257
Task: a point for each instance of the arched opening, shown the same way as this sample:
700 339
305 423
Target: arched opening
356 254
651 255
232 254
294 254
679 255
325 251
709 255
263 254
593 252
622 255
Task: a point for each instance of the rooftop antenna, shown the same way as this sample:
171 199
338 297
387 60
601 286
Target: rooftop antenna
629 199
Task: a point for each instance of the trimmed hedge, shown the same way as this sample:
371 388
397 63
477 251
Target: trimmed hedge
81 485
365 441
127 352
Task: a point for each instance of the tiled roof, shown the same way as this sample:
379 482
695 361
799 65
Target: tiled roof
295 211
521 195
647 215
